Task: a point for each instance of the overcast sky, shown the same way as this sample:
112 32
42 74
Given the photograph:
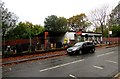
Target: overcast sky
36 11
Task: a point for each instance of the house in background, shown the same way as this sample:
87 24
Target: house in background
51 40
73 36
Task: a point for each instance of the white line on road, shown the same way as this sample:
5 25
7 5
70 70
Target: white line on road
117 75
111 61
61 65
105 54
10 69
39 63
98 67
72 76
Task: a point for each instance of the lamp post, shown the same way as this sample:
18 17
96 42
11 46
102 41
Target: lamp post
108 30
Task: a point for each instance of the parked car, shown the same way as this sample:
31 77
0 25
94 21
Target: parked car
81 47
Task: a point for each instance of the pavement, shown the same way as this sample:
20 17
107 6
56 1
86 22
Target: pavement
33 58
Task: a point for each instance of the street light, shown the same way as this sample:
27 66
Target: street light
108 30
108 33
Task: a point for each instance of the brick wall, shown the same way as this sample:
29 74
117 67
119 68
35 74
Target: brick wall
115 39
18 41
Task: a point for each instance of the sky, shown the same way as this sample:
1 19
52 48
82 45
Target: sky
36 11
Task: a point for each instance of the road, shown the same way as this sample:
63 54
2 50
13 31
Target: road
102 63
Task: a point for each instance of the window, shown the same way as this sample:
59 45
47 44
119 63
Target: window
89 43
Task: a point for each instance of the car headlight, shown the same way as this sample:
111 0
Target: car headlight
67 49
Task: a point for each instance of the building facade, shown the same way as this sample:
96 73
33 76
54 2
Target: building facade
81 36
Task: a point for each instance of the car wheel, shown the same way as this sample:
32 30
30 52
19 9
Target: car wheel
93 50
79 52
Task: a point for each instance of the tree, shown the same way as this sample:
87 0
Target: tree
78 22
37 29
105 31
115 31
114 21
8 19
20 31
8 22
98 17
24 30
115 16
54 23
62 24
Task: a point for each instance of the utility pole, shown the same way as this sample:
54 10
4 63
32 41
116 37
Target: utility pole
108 18
108 33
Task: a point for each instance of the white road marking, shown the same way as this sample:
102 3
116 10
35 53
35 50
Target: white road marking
105 54
10 69
98 67
116 75
72 76
61 65
111 61
39 62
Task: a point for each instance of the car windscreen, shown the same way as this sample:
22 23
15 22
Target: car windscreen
78 44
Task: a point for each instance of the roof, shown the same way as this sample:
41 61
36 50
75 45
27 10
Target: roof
86 32
51 33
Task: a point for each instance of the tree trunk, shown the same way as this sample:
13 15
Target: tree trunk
102 29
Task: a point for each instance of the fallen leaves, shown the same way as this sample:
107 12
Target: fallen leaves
30 56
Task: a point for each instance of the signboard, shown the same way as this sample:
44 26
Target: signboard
110 32
79 33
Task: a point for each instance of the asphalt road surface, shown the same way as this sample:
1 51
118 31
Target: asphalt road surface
102 63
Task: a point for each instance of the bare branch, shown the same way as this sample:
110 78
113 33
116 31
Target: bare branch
98 17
